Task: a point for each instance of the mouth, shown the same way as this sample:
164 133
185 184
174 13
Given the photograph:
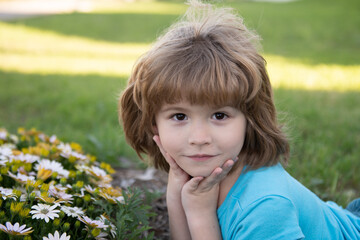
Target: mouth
201 157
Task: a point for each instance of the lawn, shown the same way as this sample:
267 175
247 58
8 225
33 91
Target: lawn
62 75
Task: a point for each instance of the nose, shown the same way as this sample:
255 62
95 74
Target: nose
200 134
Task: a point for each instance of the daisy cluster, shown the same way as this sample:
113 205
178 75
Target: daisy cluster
52 190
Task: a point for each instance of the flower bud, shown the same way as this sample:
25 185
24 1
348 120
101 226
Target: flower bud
44 187
66 226
28 167
17 193
91 208
80 184
72 174
4 170
87 198
61 214
56 222
14 168
24 212
72 159
78 173
2 214
78 202
32 196
77 224
54 175
63 181
95 232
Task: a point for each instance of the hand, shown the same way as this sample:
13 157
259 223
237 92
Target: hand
199 199
177 176
200 195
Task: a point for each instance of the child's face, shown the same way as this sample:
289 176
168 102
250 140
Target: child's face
200 138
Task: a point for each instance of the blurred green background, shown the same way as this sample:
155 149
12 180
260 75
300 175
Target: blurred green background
62 74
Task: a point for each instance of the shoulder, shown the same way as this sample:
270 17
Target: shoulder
260 205
269 217
260 183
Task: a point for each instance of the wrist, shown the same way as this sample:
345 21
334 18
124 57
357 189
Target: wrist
205 226
199 215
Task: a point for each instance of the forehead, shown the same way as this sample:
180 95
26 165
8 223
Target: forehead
212 93
186 107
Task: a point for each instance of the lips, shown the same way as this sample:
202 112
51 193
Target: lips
201 157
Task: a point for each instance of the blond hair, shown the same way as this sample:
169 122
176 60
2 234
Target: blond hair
208 57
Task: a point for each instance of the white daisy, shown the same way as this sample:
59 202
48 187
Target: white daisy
97 172
56 236
60 187
43 211
81 167
7 193
72 211
52 139
102 236
5 152
3 162
53 166
78 155
16 229
112 199
42 137
3 134
14 138
27 158
112 226
60 193
93 223
21 177
67 152
102 178
87 188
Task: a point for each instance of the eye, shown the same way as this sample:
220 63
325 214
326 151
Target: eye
179 117
220 116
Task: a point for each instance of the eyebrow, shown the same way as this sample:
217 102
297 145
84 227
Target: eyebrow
173 108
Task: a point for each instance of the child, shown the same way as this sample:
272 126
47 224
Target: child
200 105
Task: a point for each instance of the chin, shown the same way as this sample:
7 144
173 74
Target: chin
199 173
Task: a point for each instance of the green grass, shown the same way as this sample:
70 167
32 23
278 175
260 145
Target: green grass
62 74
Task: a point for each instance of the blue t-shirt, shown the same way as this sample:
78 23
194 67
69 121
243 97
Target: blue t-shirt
268 203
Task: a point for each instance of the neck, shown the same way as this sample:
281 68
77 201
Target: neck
227 183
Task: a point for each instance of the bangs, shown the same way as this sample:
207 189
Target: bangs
201 75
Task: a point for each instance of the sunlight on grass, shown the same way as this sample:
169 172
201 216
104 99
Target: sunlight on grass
29 50
289 74
139 7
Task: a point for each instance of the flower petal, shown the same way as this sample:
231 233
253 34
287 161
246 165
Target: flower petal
9 226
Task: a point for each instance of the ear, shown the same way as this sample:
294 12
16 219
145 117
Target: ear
155 129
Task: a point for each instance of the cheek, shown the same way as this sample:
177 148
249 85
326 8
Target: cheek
234 144
169 141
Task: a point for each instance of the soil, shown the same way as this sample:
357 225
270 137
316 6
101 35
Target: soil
151 180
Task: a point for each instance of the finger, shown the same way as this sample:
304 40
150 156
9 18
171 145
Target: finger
214 178
227 166
217 175
193 184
